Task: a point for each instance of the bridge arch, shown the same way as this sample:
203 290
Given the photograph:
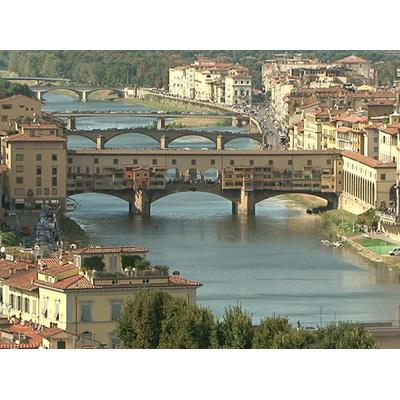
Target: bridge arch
132 137
122 195
85 141
245 140
120 93
205 139
55 88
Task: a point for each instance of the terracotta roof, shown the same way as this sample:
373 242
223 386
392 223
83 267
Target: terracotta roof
370 162
72 282
390 131
111 250
54 271
8 268
177 280
24 280
7 99
20 137
353 59
343 129
51 262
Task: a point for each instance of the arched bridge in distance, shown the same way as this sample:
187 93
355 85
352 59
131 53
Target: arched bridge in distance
164 137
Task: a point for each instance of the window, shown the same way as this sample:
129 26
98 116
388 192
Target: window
251 162
154 161
212 162
54 170
86 311
54 157
290 162
39 170
19 179
116 310
270 162
328 162
45 307
19 157
193 162
70 160
54 191
19 168
96 160
6 106
26 305
38 157
383 177
39 181
54 181
309 162
173 162
46 191
57 310
97 170
38 192
231 162
115 161
60 344
4 118
87 170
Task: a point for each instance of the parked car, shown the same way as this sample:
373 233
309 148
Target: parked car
395 251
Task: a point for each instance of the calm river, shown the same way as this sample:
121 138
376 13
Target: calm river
271 263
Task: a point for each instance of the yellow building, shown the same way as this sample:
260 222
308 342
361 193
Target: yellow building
313 121
35 160
367 183
86 298
16 108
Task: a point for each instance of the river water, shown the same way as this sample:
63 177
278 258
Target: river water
270 263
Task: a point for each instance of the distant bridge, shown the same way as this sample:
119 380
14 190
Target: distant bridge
164 137
83 92
142 114
38 79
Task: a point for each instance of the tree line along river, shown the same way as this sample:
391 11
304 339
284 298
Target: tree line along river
270 263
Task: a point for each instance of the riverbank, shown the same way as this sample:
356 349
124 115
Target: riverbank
73 233
193 122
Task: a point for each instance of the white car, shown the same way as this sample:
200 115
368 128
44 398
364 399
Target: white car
395 251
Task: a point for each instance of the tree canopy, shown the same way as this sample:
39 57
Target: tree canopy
155 319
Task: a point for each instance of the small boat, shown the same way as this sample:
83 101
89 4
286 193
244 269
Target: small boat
326 242
337 244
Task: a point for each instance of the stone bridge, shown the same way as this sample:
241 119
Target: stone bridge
83 92
243 202
165 137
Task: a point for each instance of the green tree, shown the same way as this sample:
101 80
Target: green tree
186 326
235 330
268 330
344 335
93 262
140 324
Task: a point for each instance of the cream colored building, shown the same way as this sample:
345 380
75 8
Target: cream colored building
17 108
35 161
208 80
313 121
238 90
82 301
358 65
367 183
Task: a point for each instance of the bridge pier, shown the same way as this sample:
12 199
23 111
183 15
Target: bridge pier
245 205
140 204
220 142
100 142
160 123
83 96
164 141
39 95
71 123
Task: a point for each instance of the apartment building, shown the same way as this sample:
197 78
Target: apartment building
35 161
18 108
209 80
85 297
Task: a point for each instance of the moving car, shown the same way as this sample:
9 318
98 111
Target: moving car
395 251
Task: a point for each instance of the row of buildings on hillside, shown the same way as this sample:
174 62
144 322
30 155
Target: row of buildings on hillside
212 81
74 300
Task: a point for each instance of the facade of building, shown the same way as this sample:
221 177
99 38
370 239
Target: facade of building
16 108
35 161
85 298
211 81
